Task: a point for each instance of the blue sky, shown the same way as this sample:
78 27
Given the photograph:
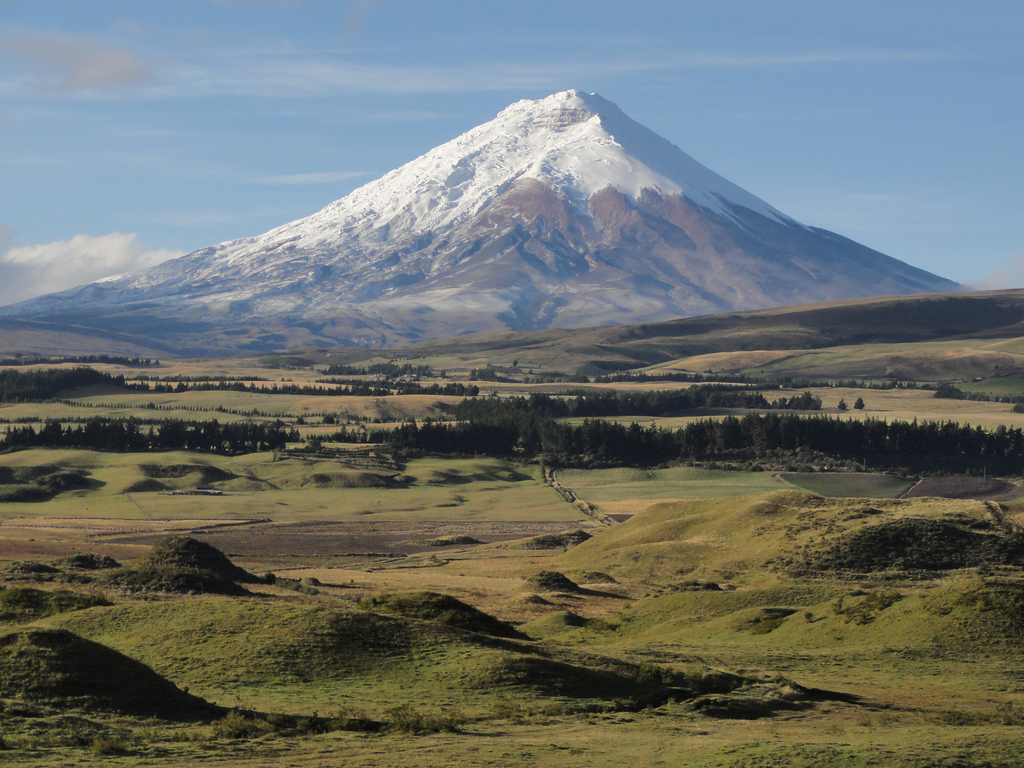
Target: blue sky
133 131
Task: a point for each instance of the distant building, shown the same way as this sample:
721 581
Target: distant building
201 490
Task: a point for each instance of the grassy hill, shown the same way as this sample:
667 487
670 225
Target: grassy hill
456 610
744 539
882 320
268 654
879 320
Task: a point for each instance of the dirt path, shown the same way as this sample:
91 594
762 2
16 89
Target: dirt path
588 509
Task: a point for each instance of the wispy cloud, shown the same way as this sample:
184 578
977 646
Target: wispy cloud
71 63
32 270
289 74
327 177
1008 276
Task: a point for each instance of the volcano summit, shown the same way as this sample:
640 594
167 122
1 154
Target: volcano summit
561 212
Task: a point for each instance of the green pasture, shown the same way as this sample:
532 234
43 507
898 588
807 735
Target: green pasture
1001 385
204 405
291 489
933 361
868 485
604 485
753 538
913 671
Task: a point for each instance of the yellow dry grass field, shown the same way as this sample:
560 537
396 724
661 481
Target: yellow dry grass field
722 619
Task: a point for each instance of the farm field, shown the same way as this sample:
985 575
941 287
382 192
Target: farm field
305 506
328 603
917 361
889 404
902 675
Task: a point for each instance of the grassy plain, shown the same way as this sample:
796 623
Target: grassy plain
889 404
730 619
921 670
921 361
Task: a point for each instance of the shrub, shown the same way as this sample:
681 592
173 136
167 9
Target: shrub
89 562
407 719
110 745
867 610
239 725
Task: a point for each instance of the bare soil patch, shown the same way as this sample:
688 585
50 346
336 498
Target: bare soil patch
619 518
980 488
356 538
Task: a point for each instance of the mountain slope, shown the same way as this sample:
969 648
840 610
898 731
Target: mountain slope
561 212
984 317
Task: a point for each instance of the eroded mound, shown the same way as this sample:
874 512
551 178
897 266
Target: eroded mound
149 485
443 609
88 562
64 670
256 642
186 552
206 472
553 677
348 480
184 581
22 484
915 544
563 540
552 581
183 565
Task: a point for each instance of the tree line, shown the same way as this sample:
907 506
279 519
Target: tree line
48 384
128 362
911 446
130 436
387 370
35 386
584 403
952 392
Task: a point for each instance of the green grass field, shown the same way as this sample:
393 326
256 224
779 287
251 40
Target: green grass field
734 619
1009 385
910 670
628 491
844 484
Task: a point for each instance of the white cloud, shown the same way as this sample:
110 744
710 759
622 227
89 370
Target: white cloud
70 63
32 270
1009 276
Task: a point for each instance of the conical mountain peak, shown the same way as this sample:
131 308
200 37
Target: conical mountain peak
561 211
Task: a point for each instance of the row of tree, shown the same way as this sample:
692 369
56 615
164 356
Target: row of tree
521 433
387 370
46 384
914 446
128 362
130 435
581 403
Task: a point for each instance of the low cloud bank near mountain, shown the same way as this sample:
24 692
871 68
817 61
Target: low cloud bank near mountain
27 271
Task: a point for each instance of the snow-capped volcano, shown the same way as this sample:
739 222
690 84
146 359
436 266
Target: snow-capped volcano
559 212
